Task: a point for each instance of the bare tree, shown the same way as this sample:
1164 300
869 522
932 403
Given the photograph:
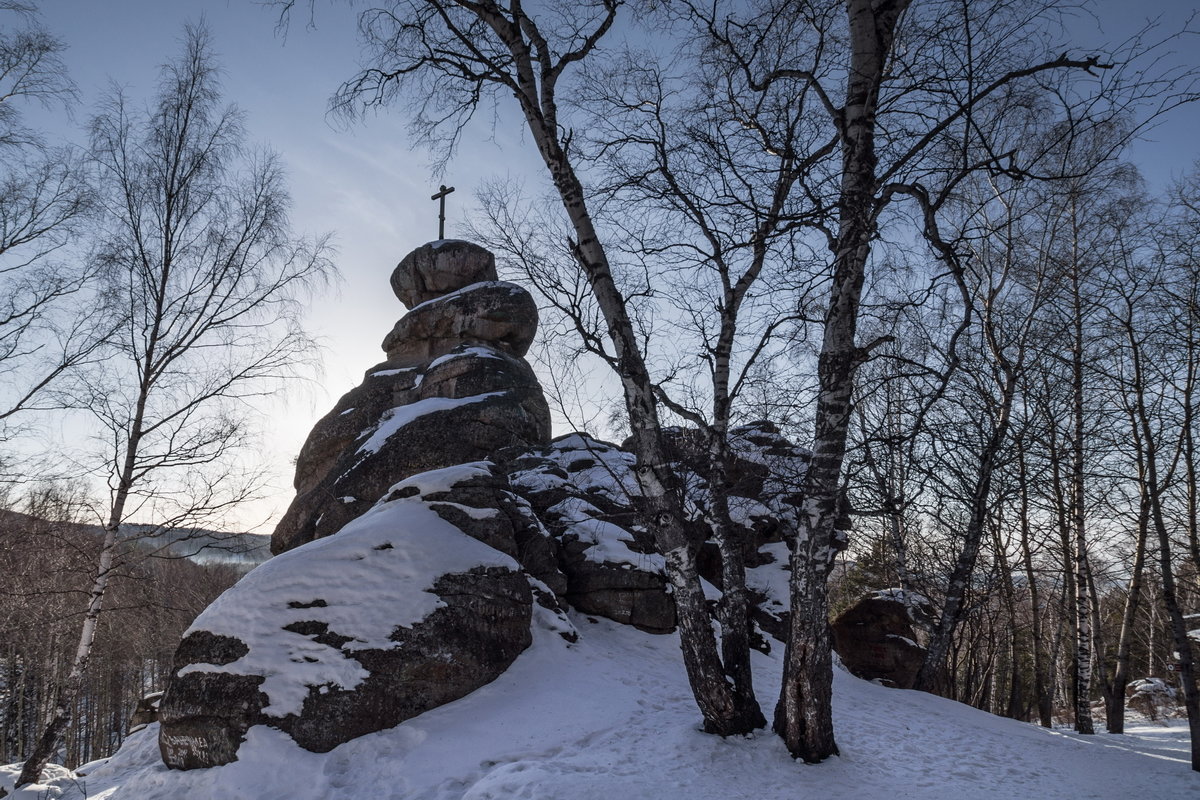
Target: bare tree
44 200
916 104
205 277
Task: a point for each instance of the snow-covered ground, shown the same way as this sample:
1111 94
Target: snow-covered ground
610 718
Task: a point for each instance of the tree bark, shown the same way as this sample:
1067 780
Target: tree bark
1081 568
804 715
1114 705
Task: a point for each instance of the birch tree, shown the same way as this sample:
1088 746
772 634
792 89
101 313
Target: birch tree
922 105
205 278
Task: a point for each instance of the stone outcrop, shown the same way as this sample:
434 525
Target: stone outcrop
439 268
146 712
407 570
453 389
435 526
584 490
877 637
399 612
1153 699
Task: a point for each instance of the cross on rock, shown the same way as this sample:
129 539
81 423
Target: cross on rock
443 190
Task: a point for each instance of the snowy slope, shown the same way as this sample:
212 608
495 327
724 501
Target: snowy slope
610 718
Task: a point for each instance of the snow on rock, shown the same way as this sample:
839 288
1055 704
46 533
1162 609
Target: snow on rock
495 313
51 785
769 582
463 352
399 612
584 491
612 717
376 575
920 608
1152 699
397 418
454 389
589 467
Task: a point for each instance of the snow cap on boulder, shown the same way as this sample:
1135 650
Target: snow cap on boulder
400 612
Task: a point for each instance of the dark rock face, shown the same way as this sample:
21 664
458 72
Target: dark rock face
204 715
462 408
877 640
146 711
400 612
497 313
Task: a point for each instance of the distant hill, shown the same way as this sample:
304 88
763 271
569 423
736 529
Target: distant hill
205 546
196 544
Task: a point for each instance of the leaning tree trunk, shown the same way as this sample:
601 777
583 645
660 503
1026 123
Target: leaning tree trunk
65 697
1183 645
68 691
723 713
714 694
1179 632
1114 700
931 676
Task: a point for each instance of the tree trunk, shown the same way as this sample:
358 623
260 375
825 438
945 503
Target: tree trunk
931 675
734 608
723 713
1114 705
1083 626
1183 645
804 714
68 692
1045 702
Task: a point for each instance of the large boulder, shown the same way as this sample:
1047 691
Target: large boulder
400 612
463 407
877 637
497 313
441 267
1153 699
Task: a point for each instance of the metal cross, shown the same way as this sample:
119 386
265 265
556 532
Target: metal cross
441 195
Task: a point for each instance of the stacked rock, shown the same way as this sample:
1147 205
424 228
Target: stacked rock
429 587
454 389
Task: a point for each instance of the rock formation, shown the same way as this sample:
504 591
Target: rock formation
585 492
407 572
434 523
877 637
454 389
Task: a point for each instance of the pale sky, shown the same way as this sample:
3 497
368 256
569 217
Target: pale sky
364 183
